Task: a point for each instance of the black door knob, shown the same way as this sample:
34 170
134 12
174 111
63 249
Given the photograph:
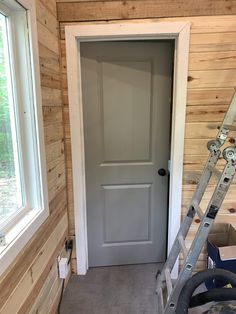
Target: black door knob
162 172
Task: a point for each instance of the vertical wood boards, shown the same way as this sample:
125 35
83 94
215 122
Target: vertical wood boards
211 82
31 283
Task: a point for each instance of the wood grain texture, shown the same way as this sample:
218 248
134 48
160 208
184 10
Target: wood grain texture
46 17
84 0
212 79
50 5
117 10
216 60
206 113
199 25
31 284
42 303
209 96
224 41
16 271
31 278
59 237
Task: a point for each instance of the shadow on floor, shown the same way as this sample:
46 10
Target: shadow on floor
126 289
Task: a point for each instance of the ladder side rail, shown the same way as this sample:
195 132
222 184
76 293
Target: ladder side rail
228 120
205 178
184 228
160 298
213 147
184 249
231 112
203 230
187 268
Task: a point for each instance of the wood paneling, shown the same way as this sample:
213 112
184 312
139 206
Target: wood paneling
31 277
210 96
51 6
211 82
46 17
31 283
212 78
199 25
216 60
117 10
44 299
205 113
206 42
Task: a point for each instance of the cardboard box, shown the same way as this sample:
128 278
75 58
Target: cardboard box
221 249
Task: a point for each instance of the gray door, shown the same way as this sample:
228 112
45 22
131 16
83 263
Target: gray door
126 91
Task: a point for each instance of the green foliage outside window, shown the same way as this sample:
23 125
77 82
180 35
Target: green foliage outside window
6 148
8 186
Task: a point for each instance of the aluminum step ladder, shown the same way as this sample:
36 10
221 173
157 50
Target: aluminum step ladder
167 290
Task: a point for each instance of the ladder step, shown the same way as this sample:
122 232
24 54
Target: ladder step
167 290
160 295
183 246
215 171
168 281
198 210
160 299
230 127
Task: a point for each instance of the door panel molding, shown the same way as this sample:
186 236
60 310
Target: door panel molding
75 34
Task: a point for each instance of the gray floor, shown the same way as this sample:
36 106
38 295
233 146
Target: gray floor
126 289
112 290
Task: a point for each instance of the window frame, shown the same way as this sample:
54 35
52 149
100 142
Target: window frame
22 225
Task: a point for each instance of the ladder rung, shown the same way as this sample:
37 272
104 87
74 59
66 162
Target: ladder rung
167 290
159 282
183 246
198 210
215 171
230 127
160 299
168 281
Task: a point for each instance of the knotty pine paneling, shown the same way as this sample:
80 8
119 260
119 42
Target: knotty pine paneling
117 10
211 82
209 96
31 283
199 25
213 60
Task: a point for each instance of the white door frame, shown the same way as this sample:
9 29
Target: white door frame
75 34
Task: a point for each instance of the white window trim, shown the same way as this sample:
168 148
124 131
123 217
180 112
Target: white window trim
29 221
180 31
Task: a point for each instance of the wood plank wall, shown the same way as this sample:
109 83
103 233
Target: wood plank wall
211 81
130 9
31 283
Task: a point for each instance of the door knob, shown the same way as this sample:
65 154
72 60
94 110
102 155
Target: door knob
162 172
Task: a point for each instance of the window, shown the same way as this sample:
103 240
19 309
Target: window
23 187
11 191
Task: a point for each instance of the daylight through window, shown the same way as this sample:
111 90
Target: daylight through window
23 177
10 181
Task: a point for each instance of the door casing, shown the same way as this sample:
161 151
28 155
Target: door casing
74 34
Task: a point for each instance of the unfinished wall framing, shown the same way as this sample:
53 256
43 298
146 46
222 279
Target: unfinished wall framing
211 81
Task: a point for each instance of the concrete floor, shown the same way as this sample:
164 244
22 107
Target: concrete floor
126 289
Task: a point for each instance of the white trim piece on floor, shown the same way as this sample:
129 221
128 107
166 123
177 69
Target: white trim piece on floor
75 34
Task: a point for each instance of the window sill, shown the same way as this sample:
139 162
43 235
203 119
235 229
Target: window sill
19 235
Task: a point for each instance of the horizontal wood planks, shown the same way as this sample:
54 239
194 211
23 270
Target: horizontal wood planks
118 10
211 82
31 284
